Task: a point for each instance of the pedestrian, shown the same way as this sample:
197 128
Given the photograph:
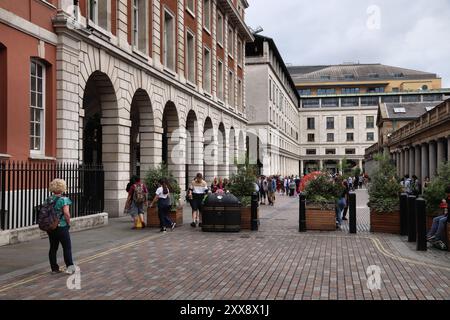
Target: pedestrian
340 206
262 190
286 185
347 193
128 202
162 196
61 233
292 187
197 191
137 198
270 191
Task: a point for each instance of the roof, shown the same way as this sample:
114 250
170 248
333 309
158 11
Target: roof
354 72
260 38
412 111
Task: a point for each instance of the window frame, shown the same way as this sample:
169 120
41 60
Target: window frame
352 127
189 32
353 137
230 43
191 11
207 75
330 134
220 84
372 134
41 150
220 42
313 137
308 127
331 127
367 122
207 28
165 58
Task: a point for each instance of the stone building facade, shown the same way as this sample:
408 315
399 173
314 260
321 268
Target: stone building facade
139 82
273 114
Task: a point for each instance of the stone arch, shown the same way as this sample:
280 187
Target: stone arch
173 144
194 147
105 139
209 151
141 133
233 152
222 152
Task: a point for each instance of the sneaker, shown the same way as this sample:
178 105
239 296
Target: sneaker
440 245
344 218
173 226
56 271
431 239
70 269
193 225
143 225
199 224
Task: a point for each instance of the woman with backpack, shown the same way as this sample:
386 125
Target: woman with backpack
162 196
137 197
61 233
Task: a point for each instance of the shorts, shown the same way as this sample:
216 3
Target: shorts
136 209
196 201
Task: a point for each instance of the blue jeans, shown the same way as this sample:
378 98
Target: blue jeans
340 209
163 213
438 227
60 235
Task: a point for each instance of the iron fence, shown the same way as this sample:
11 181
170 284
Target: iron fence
24 186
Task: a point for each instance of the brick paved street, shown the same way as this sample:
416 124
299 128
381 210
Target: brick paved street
276 262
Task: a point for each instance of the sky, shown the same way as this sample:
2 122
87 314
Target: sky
412 34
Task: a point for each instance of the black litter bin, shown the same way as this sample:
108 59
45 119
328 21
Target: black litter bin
221 213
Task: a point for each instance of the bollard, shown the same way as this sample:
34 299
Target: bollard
403 214
352 213
421 222
411 208
302 214
254 209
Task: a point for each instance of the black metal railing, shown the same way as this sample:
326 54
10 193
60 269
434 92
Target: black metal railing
24 186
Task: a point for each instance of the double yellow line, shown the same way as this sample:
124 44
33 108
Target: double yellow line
81 261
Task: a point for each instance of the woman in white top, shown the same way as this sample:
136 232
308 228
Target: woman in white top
163 198
197 191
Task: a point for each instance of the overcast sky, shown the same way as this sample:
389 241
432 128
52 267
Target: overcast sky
413 34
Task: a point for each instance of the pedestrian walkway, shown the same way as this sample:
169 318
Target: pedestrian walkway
277 262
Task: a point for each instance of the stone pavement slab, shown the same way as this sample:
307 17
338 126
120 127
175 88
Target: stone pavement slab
276 262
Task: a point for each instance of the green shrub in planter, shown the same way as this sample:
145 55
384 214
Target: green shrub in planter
243 184
323 191
384 188
435 191
152 178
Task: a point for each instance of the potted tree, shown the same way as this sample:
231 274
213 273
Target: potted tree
384 202
435 192
243 186
152 178
321 194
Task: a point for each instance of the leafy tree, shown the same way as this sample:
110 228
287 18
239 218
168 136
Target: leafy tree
152 178
384 188
435 191
243 183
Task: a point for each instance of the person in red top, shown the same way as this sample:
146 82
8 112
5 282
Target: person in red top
137 197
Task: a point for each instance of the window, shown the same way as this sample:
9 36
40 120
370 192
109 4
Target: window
304 92
390 99
190 56
375 90
219 28
374 75
330 137
350 137
349 76
326 91
190 5
350 123
311 137
311 103
369 101
169 41
395 89
399 110
350 151
239 52
230 41
311 123
239 93
424 87
220 80
231 89
330 151
325 77
207 14
139 17
330 102
37 107
370 136
399 75
411 98
432 97
207 70
350 90
311 152
370 122
270 89
99 13
330 123
350 102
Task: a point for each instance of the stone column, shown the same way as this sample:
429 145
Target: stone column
321 164
406 167
424 162
411 161
361 164
440 153
417 160
432 158
302 170
402 163
448 149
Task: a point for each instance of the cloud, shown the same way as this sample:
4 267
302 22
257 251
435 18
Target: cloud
411 34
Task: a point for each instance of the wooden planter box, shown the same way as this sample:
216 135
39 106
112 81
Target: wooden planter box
246 218
153 219
385 222
320 220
